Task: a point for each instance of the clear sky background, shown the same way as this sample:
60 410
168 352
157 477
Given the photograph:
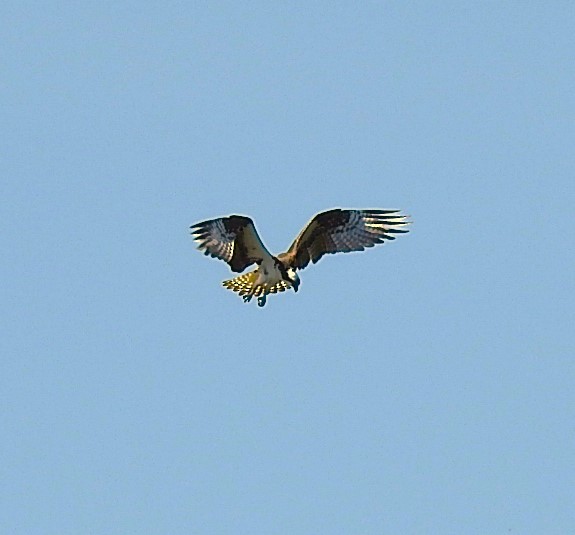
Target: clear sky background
424 386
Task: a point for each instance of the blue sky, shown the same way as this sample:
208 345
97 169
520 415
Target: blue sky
425 386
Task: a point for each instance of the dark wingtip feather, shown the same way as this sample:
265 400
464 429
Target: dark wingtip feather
401 221
381 212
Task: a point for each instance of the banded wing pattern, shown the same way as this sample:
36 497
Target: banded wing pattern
232 239
343 231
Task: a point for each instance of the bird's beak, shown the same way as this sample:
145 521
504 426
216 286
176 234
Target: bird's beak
296 282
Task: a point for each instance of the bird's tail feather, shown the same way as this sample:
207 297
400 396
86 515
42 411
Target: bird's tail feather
245 286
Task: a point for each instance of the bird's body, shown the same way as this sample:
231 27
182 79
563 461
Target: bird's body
234 239
269 277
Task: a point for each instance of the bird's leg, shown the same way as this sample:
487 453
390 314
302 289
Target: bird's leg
250 293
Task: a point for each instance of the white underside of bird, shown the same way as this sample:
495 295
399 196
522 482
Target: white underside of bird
267 279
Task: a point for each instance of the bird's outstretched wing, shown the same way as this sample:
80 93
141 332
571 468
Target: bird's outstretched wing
232 239
342 231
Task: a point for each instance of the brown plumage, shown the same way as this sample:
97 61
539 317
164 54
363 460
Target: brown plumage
235 240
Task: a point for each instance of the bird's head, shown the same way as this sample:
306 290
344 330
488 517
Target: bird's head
294 278
288 274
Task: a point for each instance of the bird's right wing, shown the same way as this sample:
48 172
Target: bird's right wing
232 239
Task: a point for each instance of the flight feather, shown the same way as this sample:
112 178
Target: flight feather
343 231
232 239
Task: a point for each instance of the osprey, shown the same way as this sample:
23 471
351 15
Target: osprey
235 240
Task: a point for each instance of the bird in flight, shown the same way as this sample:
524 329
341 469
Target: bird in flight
234 240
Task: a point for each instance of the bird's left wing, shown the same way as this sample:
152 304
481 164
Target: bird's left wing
232 239
342 231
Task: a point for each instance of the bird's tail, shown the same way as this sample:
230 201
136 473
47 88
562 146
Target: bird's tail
245 286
